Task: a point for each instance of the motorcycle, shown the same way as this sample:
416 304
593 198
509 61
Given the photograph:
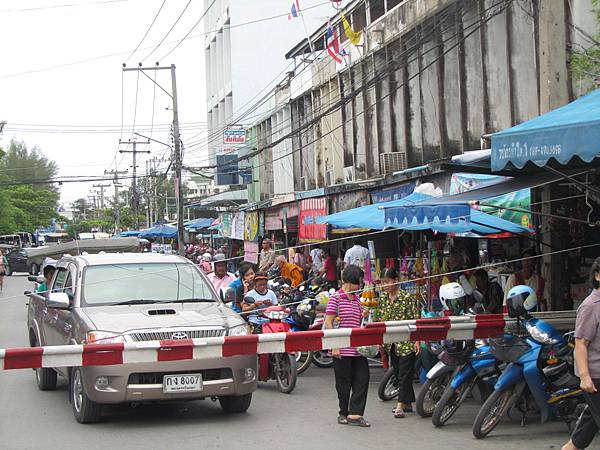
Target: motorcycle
539 378
477 368
281 367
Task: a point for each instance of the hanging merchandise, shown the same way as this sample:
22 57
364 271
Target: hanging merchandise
404 269
419 270
368 295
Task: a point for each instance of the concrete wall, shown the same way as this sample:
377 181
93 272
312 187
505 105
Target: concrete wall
440 75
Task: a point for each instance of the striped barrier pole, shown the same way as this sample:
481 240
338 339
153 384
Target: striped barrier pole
460 327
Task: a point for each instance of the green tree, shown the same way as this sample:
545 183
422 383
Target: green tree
26 200
585 61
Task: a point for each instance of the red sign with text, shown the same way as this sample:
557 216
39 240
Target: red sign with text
310 209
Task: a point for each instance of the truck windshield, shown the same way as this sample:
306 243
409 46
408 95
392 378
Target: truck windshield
110 284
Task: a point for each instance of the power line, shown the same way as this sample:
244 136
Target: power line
68 5
168 32
147 31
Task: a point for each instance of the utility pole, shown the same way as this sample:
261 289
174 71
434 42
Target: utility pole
117 185
178 164
177 160
136 198
101 187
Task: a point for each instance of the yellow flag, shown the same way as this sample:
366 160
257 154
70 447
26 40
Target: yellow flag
353 36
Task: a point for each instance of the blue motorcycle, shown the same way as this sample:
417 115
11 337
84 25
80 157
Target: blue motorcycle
481 369
538 378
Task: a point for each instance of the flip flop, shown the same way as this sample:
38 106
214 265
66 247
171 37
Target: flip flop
399 413
360 422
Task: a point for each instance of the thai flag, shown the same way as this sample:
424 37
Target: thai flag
295 11
333 44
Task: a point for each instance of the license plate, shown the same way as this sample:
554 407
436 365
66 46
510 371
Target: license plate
173 384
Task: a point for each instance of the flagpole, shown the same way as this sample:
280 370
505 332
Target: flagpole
310 45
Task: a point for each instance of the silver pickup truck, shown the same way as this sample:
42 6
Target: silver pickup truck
136 297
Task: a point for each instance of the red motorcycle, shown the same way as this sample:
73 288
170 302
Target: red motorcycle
281 367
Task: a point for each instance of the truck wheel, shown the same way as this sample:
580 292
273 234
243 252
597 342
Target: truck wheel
84 409
236 404
46 378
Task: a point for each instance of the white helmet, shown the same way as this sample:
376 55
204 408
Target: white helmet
453 298
207 257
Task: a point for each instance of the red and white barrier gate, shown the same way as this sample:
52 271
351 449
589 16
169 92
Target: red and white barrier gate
461 327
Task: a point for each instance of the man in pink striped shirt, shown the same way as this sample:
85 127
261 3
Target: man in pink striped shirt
351 369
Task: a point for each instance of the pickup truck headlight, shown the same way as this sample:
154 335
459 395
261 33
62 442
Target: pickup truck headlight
103 337
240 330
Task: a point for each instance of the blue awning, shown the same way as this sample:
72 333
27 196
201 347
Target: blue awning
199 223
569 131
159 231
449 218
370 217
130 233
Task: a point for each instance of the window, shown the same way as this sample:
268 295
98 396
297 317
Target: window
159 282
377 9
359 18
60 279
393 3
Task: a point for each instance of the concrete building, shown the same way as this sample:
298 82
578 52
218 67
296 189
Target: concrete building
429 79
244 62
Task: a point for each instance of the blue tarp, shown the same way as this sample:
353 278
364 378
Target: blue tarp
159 231
572 130
199 223
131 233
449 218
370 217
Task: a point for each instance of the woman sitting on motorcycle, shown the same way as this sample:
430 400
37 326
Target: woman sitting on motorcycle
396 304
261 296
243 284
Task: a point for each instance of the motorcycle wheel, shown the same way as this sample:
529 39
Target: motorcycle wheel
449 403
322 359
388 386
286 372
431 392
303 361
491 412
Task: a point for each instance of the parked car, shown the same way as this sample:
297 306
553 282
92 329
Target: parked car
20 261
136 297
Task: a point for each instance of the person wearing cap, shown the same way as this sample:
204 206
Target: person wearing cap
261 295
220 277
267 256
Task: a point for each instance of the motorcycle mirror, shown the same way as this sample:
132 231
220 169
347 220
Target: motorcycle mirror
227 294
249 300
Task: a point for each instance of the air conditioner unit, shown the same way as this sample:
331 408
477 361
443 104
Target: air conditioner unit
348 174
329 178
392 162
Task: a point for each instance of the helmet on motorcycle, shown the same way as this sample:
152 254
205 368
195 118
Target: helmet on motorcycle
521 300
453 298
455 353
274 271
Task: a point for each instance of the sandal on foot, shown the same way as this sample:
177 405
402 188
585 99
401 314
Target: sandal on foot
360 422
342 420
399 413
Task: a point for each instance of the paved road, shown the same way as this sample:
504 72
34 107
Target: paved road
303 420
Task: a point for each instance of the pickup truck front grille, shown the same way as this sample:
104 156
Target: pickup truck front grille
176 334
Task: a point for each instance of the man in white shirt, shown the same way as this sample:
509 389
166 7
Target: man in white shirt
318 259
220 278
356 255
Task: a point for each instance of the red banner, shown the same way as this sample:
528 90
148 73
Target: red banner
309 230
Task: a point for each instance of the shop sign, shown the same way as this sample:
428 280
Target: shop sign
237 226
273 220
461 182
251 251
394 193
234 136
225 224
350 200
251 226
310 209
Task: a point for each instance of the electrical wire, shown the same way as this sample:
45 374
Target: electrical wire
189 32
147 31
168 32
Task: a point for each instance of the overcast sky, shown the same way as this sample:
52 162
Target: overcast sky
87 97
